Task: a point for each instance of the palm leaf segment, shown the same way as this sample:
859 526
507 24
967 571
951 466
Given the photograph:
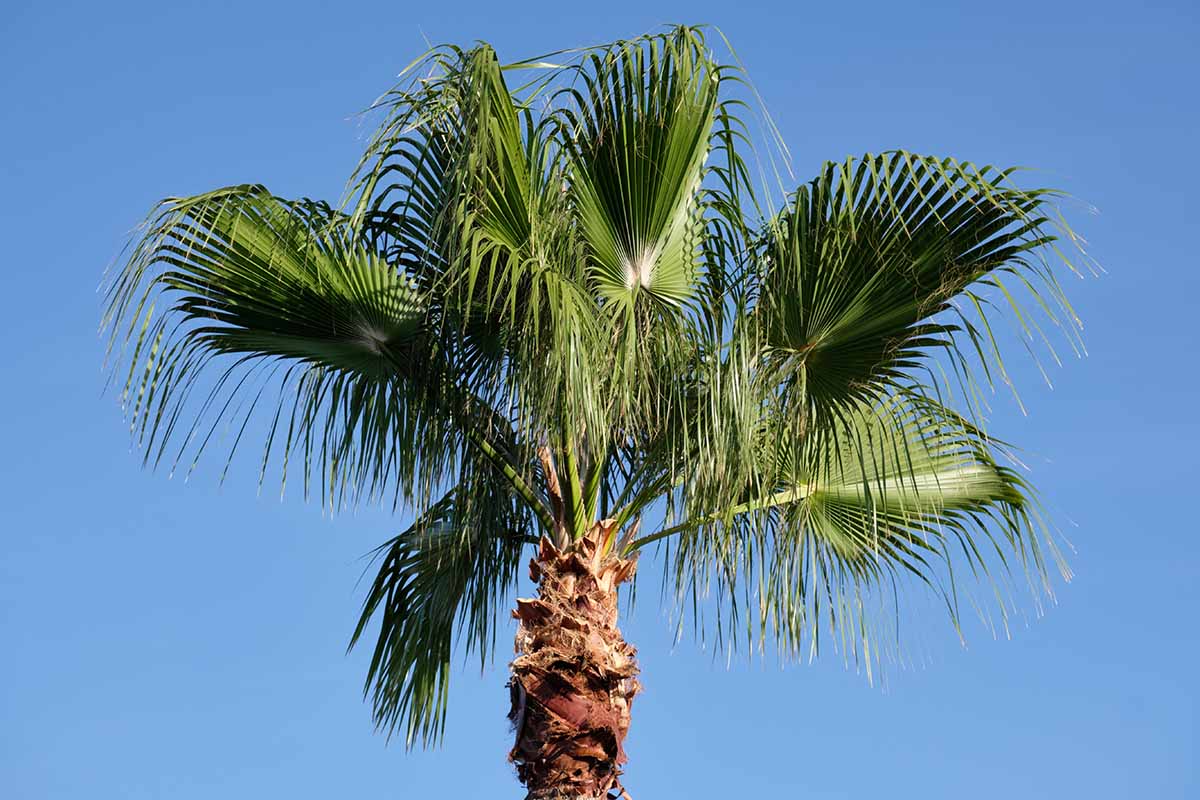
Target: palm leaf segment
557 300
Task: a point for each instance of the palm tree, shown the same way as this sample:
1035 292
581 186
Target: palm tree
562 308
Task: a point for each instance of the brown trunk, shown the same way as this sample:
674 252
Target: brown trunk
574 677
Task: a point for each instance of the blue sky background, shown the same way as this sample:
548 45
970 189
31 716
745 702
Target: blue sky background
162 640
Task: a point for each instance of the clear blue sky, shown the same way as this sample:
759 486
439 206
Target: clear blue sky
170 641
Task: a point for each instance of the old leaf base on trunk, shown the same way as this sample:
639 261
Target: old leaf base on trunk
574 677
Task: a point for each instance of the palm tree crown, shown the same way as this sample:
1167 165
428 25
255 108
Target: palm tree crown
559 293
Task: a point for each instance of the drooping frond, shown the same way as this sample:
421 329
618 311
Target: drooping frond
443 578
280 301
906 491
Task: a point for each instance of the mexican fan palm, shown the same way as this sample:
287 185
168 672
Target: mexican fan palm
563 318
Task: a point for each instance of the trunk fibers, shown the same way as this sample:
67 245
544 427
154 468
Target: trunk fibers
574 676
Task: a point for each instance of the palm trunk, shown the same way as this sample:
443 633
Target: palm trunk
574 677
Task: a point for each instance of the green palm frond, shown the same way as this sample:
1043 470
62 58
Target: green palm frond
653 176
282 295
449 182
899 477
907 488
462 188
239 272
443 579
638 136
881 262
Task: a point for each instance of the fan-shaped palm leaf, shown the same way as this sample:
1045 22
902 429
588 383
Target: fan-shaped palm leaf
857 272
